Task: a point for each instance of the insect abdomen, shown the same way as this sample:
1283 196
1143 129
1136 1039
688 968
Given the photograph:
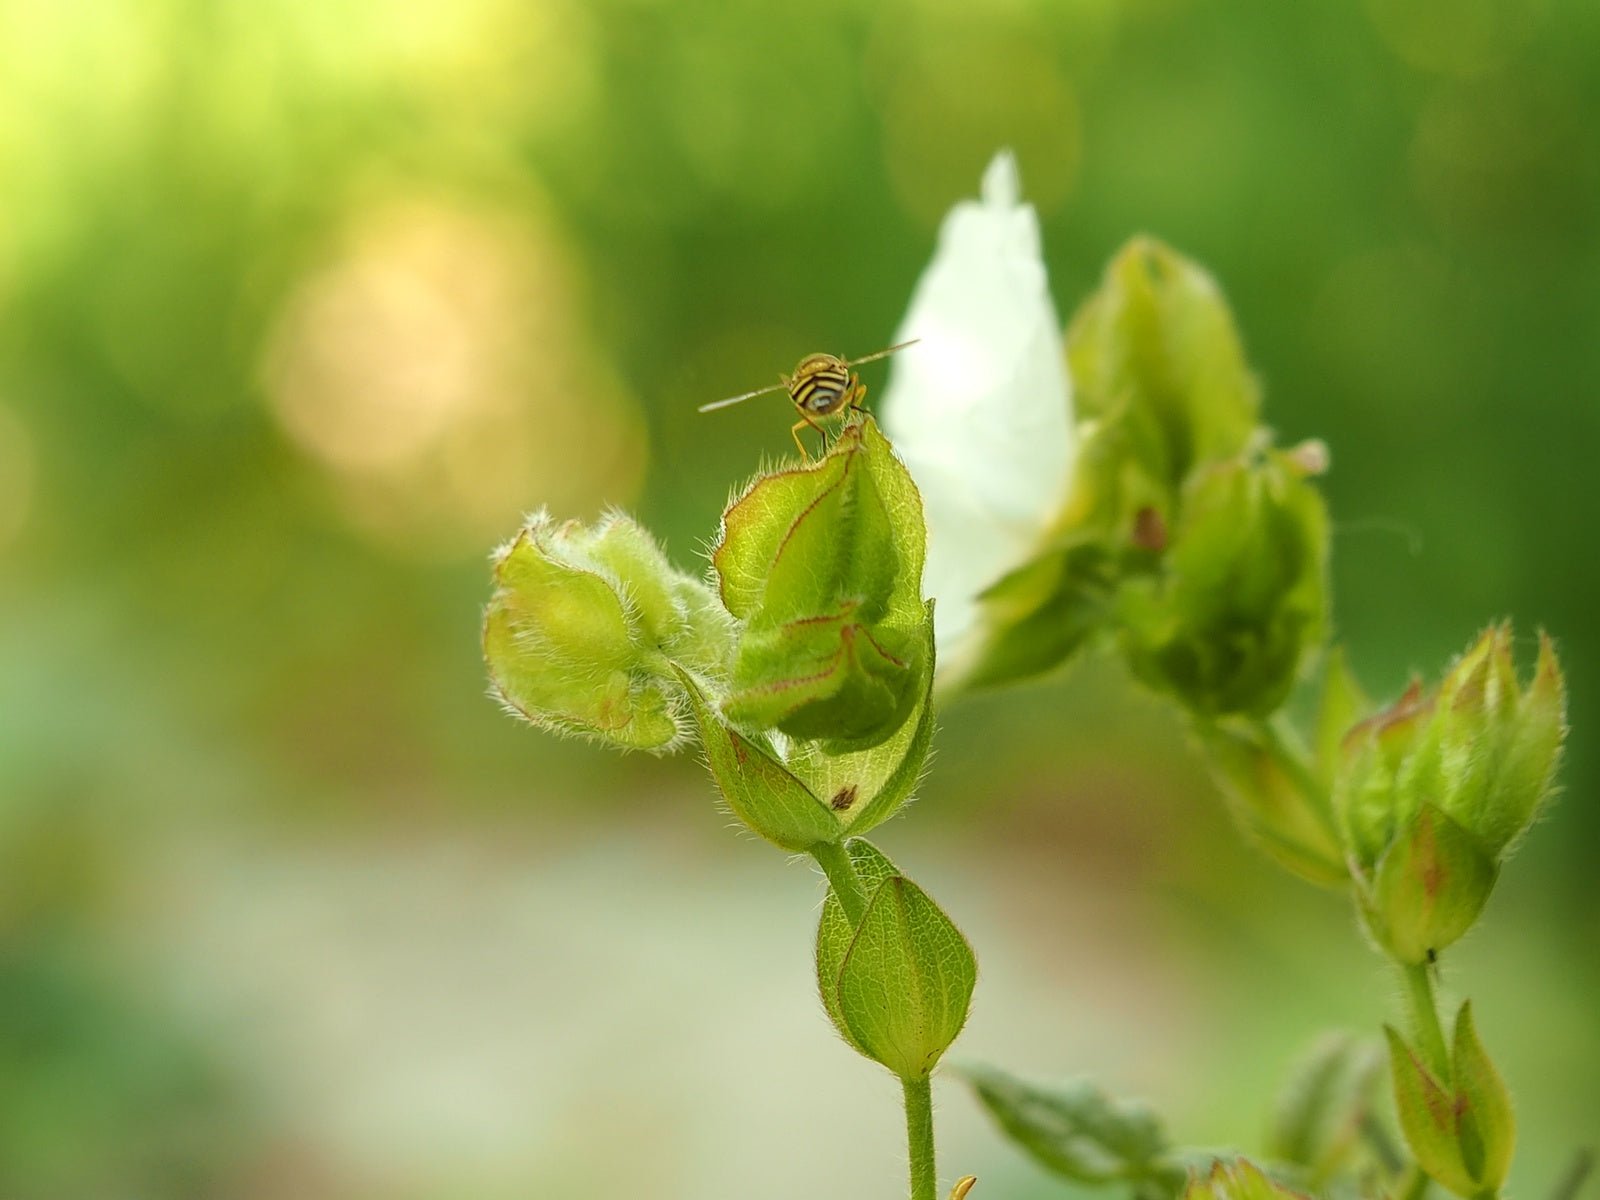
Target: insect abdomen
819 384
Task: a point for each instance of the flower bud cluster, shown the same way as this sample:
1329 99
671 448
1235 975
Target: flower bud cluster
1434 792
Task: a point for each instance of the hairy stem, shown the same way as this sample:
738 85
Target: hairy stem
1425 1019
835 863
919 1137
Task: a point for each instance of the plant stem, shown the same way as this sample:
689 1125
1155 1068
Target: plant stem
919 1137
1572 1181
1425 1019
1415 1184
834 860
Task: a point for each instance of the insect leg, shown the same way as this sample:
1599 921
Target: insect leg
858 393
795 433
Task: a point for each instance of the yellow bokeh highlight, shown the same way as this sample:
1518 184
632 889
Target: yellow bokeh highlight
435 364
951 89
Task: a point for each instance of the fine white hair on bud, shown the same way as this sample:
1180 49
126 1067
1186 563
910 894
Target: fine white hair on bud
980 409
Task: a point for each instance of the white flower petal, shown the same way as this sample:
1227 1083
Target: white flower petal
981 408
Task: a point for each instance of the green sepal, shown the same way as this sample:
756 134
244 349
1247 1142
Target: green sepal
758 788
1487 1126
1074 1130
1427 1118
1317 1119
905 984
1341 704
835 932
1041 614
1272 801
823 565
1240 602
1237 1180
1157 348
1530 754
829 677
583 628
865 788
1430 887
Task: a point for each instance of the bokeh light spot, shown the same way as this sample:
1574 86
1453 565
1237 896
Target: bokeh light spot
952 91
1455 37
437 366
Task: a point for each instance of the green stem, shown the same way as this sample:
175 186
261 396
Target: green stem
1572 1181
834 860
1425 1019
1415 1186
919 1137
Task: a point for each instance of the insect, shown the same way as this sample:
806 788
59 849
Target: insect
963 1186
822 385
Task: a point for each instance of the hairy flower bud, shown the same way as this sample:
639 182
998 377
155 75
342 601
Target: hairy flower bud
585 626
822 564
1434 791
1240 601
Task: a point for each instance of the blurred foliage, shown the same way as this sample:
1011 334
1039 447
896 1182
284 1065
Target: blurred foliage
303 304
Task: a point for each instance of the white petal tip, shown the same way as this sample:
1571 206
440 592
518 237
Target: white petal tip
1002 187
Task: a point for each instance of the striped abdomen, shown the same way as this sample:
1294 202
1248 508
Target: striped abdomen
820 384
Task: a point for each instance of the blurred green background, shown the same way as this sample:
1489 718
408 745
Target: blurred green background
303 302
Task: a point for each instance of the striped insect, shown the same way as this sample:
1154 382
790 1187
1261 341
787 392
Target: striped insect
821 386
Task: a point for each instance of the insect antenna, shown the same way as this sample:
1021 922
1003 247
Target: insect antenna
855 362
777 387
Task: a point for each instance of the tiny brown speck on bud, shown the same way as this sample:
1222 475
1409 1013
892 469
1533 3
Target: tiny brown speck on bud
1149 530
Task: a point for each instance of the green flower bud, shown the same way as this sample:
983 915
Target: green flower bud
1240 601
1428 889
1156 351
897 985
823 565
1433 793
585 627
1461 1130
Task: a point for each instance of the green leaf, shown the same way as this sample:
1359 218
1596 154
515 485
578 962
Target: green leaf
759 789
1317 1119
1488 1128
1431 885
1073 1129
1427 1117
835 932
906 982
